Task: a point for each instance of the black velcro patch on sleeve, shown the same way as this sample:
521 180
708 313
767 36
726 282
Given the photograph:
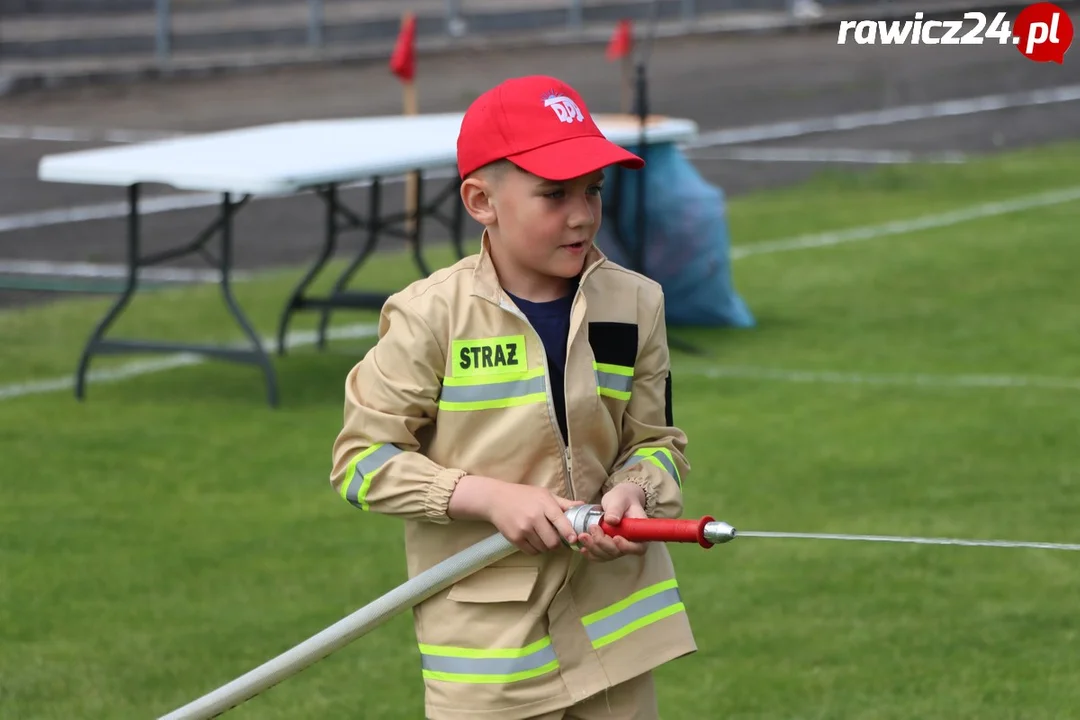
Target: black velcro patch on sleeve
614 343
669 416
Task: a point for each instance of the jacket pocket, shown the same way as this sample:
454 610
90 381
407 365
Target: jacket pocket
496 585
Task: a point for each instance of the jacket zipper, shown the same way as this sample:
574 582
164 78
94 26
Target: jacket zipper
567 461
551 408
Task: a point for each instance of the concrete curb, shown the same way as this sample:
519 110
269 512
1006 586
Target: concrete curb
720 25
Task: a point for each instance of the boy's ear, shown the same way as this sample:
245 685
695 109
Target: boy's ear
476 194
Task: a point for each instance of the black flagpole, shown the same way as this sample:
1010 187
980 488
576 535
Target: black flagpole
642 106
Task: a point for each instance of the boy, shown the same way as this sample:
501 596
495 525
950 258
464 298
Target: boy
506 389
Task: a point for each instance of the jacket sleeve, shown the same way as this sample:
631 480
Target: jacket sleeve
652 455
391 396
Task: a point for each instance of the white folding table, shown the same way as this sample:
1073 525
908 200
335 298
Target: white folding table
283 159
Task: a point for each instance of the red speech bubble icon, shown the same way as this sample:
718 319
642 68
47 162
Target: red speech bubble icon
1043 33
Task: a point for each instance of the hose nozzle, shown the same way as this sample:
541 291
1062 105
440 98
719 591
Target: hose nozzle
719 532
705 531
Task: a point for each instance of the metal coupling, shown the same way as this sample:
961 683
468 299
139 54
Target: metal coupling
583 517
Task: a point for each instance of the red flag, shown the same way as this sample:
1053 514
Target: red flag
403 59
622 41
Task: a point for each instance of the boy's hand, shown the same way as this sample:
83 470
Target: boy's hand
623 500
532 518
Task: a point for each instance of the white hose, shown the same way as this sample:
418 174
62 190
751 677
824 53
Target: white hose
315 648
448 572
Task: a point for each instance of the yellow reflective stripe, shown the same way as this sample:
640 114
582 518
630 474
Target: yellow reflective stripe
490 665
667 462
643 608
509 377
652 460
364 466
613 381
499 404
608 392
614 369
451 651
491 392
660 457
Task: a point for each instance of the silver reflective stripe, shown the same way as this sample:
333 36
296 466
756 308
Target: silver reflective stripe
488 666
668 465
660 457
612 381
637 611
376 459
492 391
364 467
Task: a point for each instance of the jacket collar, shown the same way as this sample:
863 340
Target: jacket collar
486 279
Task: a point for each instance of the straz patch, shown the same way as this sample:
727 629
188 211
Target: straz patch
489 356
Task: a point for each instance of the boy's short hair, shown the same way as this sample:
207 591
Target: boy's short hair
493 171
540 124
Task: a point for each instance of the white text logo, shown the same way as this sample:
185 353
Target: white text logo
1043 32
565 108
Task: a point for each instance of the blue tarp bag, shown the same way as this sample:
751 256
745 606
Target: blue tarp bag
687 242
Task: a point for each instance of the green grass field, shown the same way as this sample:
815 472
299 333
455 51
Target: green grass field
174 532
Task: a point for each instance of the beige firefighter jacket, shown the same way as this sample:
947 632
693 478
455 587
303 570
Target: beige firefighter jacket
457 385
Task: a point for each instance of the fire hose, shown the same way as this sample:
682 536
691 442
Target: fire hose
705 531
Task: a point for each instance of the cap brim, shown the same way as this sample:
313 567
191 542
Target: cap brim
575 157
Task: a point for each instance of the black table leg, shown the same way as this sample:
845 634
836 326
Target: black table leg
94 343
340 218
417 233
372 224
99 345
296 299
257 354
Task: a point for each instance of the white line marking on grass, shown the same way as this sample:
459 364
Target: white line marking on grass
802 242
136 368
728 136
85 135
891 116
105 211
900 227
123 372
903 380
155 205
829 155
871 232
104 271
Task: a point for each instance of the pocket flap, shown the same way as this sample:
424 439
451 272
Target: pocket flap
496 584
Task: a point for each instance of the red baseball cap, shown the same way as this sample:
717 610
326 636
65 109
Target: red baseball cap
540 124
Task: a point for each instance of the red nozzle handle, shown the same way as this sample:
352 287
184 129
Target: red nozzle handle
660 530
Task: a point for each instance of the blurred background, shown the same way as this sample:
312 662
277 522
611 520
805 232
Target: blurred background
869 257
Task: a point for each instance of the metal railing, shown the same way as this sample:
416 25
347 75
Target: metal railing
455 17
163 34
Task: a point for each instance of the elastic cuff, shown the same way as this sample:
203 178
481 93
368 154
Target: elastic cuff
437 498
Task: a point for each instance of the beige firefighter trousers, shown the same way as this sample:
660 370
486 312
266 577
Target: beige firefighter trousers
632 700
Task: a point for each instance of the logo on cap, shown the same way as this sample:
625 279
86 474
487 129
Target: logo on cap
565 109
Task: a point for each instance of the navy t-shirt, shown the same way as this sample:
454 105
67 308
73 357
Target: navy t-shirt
552 322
